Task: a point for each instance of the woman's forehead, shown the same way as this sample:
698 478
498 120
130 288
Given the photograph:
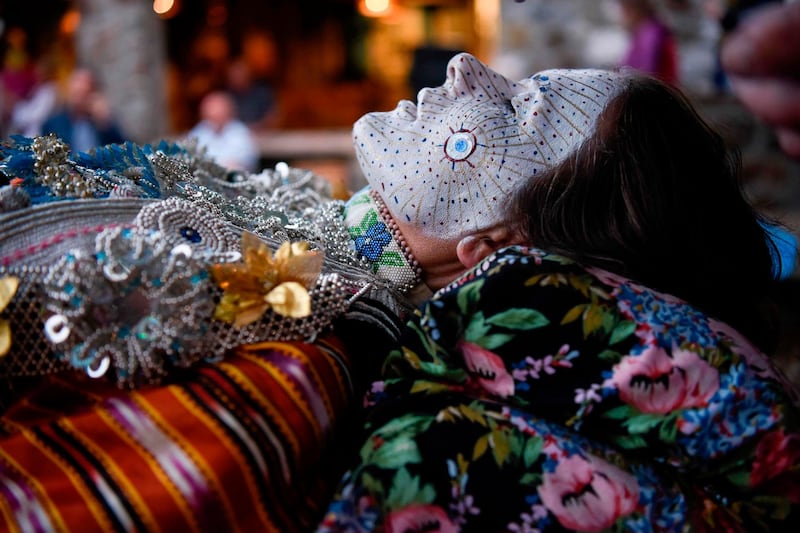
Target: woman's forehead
597 80
469 76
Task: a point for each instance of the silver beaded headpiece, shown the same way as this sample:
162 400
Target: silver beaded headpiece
135 297
124 286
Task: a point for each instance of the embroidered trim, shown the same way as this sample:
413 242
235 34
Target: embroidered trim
397 236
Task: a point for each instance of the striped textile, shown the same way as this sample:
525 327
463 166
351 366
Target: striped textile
240 445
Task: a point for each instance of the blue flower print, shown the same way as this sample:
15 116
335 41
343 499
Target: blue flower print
373 241
742 408
673 323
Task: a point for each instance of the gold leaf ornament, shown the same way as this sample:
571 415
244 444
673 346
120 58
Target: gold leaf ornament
290 299
8 287
265 281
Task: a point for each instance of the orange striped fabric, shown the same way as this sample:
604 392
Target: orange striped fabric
241 445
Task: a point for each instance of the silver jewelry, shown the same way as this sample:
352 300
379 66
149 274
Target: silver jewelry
119 287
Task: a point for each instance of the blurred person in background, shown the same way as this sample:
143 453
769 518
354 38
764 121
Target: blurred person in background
729 13
29 114
17 76
84 120
735 11
226 139
427 65
762 60
254 98
203 71
653 47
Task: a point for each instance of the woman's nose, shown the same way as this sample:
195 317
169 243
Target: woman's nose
466 76
460 71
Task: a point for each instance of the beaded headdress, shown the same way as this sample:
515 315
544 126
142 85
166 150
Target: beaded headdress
135 260
447 163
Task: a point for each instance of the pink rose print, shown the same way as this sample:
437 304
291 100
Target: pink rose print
418 518
609 278
615 280
654 382
489 368
588 494
775 465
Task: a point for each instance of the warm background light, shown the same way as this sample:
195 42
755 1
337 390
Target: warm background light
162 6
69 22
166 9
374 8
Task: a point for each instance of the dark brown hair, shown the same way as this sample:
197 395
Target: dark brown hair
654 194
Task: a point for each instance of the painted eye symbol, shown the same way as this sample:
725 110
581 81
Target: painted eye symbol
459 145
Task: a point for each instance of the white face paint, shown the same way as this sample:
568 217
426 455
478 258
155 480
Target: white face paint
447 164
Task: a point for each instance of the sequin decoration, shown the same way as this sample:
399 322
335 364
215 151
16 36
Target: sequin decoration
54 170
136 302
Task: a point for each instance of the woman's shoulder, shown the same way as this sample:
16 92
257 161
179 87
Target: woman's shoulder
599 307
512 263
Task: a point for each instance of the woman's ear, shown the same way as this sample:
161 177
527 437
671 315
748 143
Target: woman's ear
475 247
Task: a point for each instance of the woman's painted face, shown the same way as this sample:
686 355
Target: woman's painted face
445 164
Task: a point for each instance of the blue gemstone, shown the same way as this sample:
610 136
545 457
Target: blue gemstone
190 234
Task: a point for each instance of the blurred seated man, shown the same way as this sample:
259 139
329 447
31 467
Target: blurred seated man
255 101
84 119
225 138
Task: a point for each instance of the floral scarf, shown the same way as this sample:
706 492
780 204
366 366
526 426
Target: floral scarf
535 394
